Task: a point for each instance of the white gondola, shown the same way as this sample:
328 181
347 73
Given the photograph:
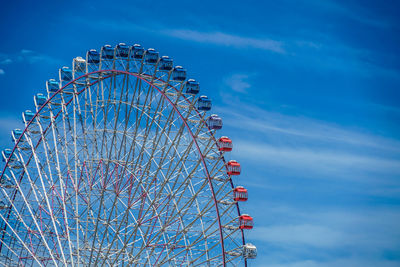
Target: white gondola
249 251
79 64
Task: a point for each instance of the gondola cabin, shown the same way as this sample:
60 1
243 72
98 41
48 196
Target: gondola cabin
79 64
179 74
151 56
214 122
52 86
192 87
16 134
233 167
27 116
122 50
245 222
166 63
7 154
92 56
107 52
249 251
240 194
137 51
65 74
39 100
203 103
225 144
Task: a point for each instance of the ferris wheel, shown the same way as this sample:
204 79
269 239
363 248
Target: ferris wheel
121 164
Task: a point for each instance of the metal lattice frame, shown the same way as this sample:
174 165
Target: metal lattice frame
118 167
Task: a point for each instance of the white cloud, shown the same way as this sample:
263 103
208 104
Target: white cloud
299 128
330 237
341 262
26 55
226 39
303 234
2 72
238 82
307 148
6 61
319 162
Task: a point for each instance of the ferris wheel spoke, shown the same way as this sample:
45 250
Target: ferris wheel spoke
27 203
188 203
112 142
61 182
51 185
149 127
22 242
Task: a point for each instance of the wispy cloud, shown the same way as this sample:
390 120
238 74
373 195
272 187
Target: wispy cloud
206 37
330 237
307 148
2 72
237 82
226 39
299 128
26 55
354 12
6 61
321 162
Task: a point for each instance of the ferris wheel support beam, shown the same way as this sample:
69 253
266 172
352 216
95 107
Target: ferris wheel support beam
30 211
22 242
44 141
177 165
114 134
172 145
60 178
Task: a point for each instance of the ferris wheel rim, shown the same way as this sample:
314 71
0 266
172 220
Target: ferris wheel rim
138 76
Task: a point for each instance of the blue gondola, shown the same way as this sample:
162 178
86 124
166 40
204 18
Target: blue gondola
79 64
107 52
39 99
52 85
179 74
192 87
16 134
122 50
151 56
214 122
166 63
92 56
65 74
137 51
203 103
7 153
27 116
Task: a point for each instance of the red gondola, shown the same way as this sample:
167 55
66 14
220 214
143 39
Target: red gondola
225 144
245 222
233 167
240 194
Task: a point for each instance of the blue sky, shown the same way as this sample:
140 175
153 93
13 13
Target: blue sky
308 90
